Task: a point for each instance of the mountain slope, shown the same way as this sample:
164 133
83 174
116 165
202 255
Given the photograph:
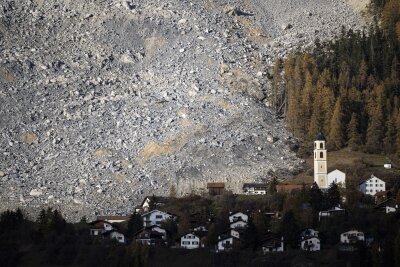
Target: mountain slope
104 102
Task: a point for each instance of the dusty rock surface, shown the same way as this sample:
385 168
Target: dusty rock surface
104 102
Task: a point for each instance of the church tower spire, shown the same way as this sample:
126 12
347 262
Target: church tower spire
320 162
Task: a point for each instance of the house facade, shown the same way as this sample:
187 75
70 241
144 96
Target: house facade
190 241
352 237
150 237
311 244
331 212
387 206
155 217
254 189
337 177
98 228
238 224
228 243
115 235
238 216
273 243
372 186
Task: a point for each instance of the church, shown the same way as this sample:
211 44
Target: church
321 175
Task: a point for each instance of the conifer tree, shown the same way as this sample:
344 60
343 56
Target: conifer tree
390 138
336 133
316 198
306 104
354 137
135 223
332 196
375 133
328 101
363 75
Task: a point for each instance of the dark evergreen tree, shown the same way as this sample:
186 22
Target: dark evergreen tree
316 198
352 133
272 186
290 229
135 224
332 197
336 133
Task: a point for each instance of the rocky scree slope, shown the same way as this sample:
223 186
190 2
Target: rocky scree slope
103 102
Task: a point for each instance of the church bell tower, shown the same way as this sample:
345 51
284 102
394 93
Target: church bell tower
320 162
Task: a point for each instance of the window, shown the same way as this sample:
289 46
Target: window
158 216
195 243
315 155
315 145
321 145
321 155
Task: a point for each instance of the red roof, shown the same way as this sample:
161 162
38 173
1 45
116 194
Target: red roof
215 185
288 187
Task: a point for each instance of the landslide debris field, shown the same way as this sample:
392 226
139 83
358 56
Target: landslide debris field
104 102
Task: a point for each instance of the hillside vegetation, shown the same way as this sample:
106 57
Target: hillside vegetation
348 88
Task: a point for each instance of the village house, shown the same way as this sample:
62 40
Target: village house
190 241
352 237
99 227
226 243
273 215
338 177
113 218
309 240
272 243
215 188
382 196
155 217
151 202
387 206
238 224
331 212
105 229
115 235
372 186
255 189
233 217
311 244
151 237
387 165
235 232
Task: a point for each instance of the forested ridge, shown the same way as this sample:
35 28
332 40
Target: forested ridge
348 88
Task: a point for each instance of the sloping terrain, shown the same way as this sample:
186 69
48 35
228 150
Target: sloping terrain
103 102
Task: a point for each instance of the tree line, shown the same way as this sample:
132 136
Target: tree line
348 88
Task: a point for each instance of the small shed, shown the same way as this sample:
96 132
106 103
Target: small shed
215 188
